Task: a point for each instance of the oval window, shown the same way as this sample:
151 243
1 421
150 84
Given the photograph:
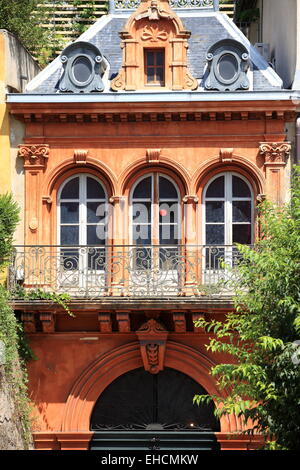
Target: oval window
228 67
82 69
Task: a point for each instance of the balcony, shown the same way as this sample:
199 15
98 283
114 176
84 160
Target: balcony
127 272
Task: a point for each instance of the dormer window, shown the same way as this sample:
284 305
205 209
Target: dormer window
227 66
83 68
154 67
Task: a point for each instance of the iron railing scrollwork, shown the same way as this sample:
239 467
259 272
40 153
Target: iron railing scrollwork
177 4
143 271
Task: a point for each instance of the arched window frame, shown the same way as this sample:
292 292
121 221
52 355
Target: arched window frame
228 198
82 201
155 203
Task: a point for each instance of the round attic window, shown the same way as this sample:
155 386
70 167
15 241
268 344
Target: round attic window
228 68
82 70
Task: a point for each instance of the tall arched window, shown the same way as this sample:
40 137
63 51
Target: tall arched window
155 228
82 216
228 204
155 211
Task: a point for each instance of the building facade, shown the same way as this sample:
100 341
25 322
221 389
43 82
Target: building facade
149 143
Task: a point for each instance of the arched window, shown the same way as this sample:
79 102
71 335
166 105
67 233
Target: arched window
155 211
228 204
82 216
155 230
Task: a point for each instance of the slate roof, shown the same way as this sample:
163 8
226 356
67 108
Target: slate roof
206 29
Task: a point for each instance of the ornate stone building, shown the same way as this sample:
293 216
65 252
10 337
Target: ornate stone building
149 143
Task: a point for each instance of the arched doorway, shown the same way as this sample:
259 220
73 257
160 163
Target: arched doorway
145 411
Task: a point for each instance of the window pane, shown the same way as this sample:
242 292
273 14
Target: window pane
150 58
69 212
82 69
214 211
241 234
94 189
214 234
69 235
141 234
241 211
159 58
240 188
96 234
160 75
143 189
228 66
167 189
168 234
150 74
168 212
216 188
71 189
96 212
141 212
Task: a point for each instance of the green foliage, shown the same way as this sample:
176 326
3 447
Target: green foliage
25 19
39 294
16 352
263 375
9 218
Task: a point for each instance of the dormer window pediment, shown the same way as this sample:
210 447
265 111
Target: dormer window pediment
154 26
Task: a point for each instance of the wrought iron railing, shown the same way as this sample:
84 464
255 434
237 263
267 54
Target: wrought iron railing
126 271
177 4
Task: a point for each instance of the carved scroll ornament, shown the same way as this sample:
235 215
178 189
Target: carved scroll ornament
275 152
34 155
152 337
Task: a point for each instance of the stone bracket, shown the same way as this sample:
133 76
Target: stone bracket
152 337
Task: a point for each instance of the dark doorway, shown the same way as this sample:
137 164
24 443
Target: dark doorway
153 411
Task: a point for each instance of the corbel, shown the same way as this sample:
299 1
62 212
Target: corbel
105 323
123 321
28 322
198 316
179 322
48 323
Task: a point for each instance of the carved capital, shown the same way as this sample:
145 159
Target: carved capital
152 337
189 199
80 156
116 199
153 155
275 152
34 155
47 200
226 155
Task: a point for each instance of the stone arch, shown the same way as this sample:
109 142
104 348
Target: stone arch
67 167
106 368
171 167
234 163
